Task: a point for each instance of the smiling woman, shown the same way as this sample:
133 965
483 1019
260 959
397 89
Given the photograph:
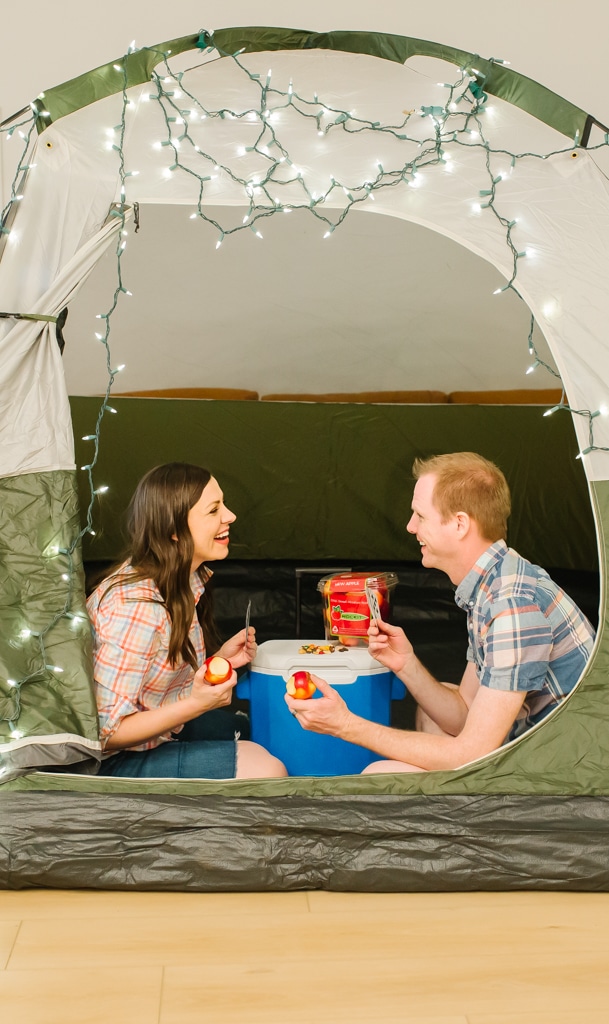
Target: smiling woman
149 647
208 521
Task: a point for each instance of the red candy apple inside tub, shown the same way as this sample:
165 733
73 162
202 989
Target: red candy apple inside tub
217 670
301 686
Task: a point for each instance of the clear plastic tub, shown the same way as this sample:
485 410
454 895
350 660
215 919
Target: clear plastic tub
345 604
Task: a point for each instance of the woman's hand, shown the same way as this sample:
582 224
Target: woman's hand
147 725
240 650
389 645
209 697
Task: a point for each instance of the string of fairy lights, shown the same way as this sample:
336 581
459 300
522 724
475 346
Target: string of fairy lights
427 137
68 569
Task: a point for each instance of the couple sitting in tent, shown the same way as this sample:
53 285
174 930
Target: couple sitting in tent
528 642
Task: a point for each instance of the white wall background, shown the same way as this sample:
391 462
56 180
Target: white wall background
388 305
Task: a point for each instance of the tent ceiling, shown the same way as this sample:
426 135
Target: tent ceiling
383 303
542 193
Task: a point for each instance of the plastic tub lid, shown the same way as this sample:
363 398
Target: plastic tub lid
358 580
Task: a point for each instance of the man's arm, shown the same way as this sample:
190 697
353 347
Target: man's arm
447 706
490 717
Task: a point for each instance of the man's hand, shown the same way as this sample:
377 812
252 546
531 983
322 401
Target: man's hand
389 645
326 714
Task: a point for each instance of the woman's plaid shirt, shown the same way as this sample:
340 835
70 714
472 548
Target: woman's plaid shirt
130 644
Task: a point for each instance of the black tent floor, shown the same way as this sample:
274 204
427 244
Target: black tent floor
67 840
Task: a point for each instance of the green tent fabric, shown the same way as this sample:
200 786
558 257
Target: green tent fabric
557 775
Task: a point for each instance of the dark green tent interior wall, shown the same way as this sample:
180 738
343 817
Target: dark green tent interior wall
319 481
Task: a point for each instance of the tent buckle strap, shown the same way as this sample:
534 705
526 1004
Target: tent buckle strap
58 320
29 316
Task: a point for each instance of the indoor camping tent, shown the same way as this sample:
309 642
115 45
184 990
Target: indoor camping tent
256 122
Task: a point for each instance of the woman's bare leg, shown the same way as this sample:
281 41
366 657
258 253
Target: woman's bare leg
388 767
254 762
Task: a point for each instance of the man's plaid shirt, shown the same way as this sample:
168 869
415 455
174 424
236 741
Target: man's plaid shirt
524 632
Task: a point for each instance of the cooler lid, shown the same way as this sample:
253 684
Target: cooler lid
281 656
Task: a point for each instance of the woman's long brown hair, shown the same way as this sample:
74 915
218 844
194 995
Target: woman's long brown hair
161 549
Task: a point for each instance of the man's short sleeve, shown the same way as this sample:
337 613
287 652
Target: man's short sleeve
516 646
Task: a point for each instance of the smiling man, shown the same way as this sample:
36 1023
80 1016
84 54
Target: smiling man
528 642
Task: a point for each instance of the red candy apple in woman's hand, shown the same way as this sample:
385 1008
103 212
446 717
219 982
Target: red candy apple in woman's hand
217 669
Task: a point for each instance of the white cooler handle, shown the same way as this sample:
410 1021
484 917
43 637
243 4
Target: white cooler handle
335 675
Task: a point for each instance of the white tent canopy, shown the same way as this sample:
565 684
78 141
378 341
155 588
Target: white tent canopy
559 204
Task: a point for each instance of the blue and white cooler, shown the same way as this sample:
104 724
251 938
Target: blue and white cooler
366 686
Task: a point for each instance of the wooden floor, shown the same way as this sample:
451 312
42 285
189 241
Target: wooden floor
273 958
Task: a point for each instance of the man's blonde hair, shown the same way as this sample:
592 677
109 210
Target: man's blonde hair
467 482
